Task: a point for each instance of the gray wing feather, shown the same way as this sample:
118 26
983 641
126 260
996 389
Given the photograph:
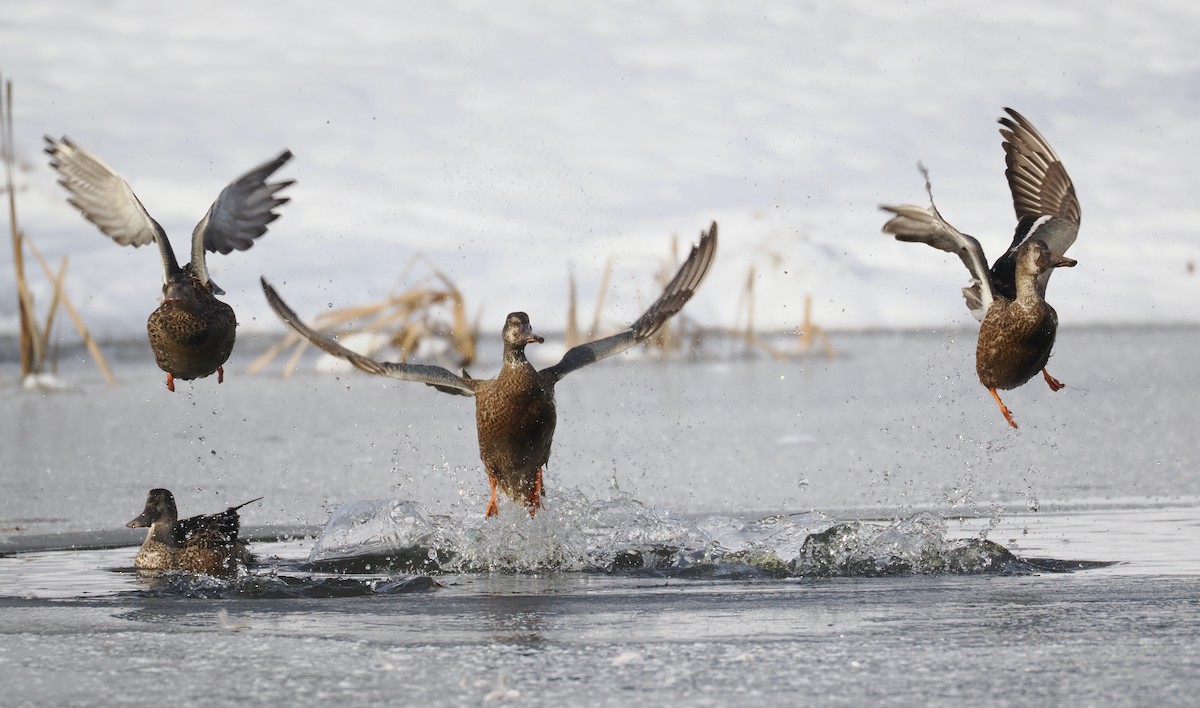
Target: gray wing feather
1039 183
240 214
441 379
1043 195
106 200
914 223
674 297
1037 177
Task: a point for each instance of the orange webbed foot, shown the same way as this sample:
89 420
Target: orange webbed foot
1003 408
220 374
171 382
534 499
1053 383
492 509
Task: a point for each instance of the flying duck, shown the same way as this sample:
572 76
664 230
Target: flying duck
1018 326
515 412
191 332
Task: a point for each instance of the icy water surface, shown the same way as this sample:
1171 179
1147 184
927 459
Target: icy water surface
717 533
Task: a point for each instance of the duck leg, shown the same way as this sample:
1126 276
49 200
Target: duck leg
492 510
1053 383
171 382
1003 408
221 374
534 500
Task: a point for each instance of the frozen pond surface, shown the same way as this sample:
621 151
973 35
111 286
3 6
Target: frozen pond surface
670 566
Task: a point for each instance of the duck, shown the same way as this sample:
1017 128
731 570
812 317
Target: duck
1017 326
515 412
201 544
191 333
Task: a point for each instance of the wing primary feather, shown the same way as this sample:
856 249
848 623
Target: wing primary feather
674 296
440 378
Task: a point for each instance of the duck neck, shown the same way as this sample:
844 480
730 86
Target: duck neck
1030 290
163 531
514 356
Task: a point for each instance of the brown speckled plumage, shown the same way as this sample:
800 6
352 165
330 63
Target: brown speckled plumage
192 336
1018 326
1016 336
514 412
515 418
191 333
200 544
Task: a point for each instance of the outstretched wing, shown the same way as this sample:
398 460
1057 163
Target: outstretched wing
441 379
1043 197
1038 180
241 213
914 223
106 200
674 297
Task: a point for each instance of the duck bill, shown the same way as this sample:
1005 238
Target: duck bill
1064 262
142 521
529 337
177 289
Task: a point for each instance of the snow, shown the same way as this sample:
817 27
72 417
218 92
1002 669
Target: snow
509 141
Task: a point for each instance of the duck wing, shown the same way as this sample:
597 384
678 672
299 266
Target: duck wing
208 528
674 297
440 378
1043 197
241 213
918 224
106 200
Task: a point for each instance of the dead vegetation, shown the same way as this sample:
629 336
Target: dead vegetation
429 313
809 336
37 357
680 335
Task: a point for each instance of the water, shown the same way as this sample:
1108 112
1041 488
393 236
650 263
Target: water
837 532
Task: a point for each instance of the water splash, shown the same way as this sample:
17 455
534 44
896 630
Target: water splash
620 534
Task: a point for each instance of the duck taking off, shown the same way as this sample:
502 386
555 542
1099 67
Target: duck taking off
515 412
1018 326
192 332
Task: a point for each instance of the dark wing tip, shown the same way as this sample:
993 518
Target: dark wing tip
682 286
1036 175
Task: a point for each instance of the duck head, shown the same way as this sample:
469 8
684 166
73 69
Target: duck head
518 333
160 507
1036 258
180 287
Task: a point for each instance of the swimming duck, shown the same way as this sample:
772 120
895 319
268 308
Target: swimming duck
1018 326
192 332
201 544
514 412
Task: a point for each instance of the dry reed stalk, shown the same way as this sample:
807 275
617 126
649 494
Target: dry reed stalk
807 334
31 356
54 302
572 330
273 351
92 346
810 331
408 316
608 266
